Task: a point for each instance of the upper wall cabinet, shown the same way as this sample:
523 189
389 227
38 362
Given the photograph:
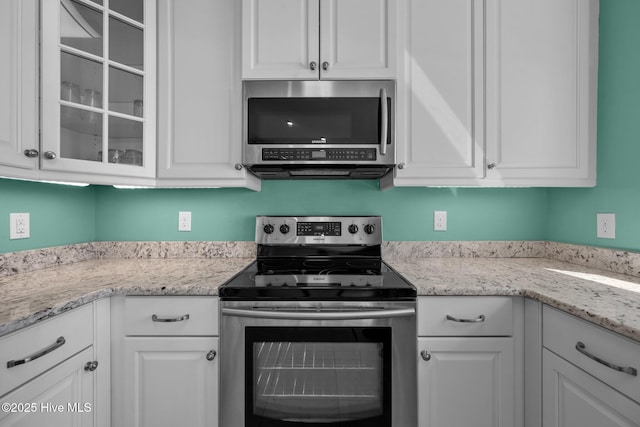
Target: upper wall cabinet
98 87
498 93
200 95
319 39
19 88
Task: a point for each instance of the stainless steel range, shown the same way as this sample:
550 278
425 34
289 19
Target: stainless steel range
318 331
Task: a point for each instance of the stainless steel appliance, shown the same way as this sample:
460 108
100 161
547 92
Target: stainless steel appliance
319 129
319 331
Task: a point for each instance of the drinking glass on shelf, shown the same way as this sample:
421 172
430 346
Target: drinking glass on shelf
138 108
70 92
92 98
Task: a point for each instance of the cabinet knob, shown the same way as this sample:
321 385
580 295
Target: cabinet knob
325 65
491 166
31 153
401 165
313 65
50 155
91 366
238 166
426 356
211 355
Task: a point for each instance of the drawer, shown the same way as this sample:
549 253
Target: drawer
465 316
561 334
171 316
53 340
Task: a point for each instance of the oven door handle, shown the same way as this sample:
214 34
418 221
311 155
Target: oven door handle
319 315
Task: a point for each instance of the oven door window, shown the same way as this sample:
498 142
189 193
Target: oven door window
315 120
318 377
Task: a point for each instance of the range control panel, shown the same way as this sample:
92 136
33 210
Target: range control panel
318 230
318 154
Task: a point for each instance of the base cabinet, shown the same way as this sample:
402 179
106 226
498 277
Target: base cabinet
170 381
573 398
465 382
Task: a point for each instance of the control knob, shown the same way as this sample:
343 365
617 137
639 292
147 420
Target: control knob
268 228
369 228
284 228
353 229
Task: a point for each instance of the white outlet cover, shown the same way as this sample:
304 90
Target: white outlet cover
19 226
606 225
440 220
184 221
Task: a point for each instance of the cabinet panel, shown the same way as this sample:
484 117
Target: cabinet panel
467 382
441 93
358 39
280 39
61 397
200 95
18 87
170 382
541 90
573 398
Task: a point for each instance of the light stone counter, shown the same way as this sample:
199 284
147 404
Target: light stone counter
607 299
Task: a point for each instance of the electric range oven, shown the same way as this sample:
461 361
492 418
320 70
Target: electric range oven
318 331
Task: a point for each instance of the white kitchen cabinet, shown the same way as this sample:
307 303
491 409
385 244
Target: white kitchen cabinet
56 372
200 95
19 88
589 375
166 361
498 93
319 39
467 365
98 91
541 82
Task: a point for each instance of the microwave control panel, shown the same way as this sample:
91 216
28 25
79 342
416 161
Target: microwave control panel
318 154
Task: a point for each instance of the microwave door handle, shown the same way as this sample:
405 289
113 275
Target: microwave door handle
384 122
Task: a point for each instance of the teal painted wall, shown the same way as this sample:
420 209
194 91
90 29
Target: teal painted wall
59 215
229 214
63 215
572 212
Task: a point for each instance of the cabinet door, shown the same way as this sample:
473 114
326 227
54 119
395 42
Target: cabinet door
170 382
98 87
280 39
18 87
541 92
200 95
466 382
440 94
358 39
573 398
61 397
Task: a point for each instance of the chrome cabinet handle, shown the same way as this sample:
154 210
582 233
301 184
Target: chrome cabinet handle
384 123
627 370
50 155
155 318
325 65
313 65
91 366
59 343
238 166
478 319
426 356
31 153
318 315
491 166
211 355
401 165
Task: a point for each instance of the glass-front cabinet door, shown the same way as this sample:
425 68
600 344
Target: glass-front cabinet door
98 86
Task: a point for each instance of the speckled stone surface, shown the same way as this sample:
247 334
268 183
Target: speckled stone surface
37 295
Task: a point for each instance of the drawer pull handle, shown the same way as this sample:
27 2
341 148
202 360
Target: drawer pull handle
426 356
59 343
478 319
628 370
155 318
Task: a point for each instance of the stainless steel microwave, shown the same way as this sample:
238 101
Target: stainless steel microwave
319 129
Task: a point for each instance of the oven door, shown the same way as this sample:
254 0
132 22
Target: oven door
318 364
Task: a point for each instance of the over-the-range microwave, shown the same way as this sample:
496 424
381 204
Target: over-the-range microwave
319 129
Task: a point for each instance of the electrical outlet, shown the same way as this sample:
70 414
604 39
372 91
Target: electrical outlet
606 225
19 227
440 220
184 221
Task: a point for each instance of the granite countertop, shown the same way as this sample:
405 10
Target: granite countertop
608 299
